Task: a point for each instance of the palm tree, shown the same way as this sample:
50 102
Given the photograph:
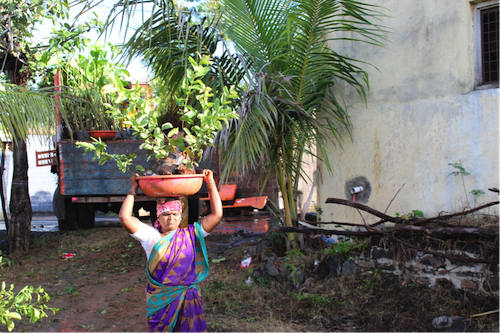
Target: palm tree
21 111
292 104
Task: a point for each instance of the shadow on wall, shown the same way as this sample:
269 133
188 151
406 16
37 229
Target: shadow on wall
41 201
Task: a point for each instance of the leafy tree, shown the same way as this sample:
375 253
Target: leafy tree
22 109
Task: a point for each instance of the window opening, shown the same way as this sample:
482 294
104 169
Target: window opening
489 45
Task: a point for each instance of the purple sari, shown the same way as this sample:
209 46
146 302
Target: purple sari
177 263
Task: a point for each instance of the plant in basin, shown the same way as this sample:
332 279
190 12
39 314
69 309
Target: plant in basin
176 150
83 80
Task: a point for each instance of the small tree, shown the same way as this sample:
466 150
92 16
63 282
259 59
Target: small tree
22 110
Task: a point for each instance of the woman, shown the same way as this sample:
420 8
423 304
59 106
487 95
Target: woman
177 260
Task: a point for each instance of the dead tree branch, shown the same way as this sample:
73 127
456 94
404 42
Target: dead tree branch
449 230
438 254
320 231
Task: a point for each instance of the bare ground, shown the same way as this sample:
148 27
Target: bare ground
103 289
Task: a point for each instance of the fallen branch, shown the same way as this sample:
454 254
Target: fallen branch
449 230
319 231
364 208
445 217
370 232
438 254
387 218
484 313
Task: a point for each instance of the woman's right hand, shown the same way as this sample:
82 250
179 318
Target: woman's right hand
134 185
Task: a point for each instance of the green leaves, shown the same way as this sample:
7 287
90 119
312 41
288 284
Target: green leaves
27 302
198 128
123 161
22 110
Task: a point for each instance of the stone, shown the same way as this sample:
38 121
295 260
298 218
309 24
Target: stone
288 287
349 269
270 269
430 260
378 253
461 324
386 267
255 249
366 264
309 282
269 256
334 265
258 273
469 285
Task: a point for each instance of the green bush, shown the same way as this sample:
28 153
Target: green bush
27 302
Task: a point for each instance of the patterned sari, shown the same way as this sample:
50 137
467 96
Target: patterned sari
177 263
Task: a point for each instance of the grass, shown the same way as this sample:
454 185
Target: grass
107 274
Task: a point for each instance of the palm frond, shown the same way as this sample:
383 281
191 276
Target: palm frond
256 27
23 111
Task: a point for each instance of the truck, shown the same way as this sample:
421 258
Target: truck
85 187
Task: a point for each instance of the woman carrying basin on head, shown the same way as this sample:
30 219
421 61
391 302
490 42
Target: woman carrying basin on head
177 260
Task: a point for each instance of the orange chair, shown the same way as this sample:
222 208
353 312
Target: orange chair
227 192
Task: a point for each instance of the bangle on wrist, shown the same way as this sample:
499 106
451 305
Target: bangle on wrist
211 185
132 193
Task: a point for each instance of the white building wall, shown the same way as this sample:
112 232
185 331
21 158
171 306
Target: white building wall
41 182
423 111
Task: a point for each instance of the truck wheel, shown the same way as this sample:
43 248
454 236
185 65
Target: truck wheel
71 216
64 210
85 217
68 220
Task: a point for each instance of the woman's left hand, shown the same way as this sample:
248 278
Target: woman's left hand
208 175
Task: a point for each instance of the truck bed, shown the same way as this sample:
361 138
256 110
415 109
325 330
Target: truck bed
79 175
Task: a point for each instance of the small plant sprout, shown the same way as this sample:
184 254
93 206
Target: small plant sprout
476 194
460 171
414 215
319 212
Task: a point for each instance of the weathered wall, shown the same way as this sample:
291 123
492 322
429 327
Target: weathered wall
423 111
416 267
41 182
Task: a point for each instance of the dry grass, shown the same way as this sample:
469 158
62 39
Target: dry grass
102 289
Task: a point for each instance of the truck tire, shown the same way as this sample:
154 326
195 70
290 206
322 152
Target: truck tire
85 217
71 216
64 211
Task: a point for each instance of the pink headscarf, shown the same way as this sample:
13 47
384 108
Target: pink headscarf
168 206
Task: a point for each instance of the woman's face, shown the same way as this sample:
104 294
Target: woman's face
170 221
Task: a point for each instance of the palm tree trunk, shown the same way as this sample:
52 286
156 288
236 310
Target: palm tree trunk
20 203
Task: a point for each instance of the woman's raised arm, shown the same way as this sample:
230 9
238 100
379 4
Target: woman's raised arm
129 222
210 221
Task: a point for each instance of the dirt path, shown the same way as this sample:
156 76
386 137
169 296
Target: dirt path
103 289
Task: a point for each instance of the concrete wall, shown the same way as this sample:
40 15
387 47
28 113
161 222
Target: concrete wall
41 182
423 111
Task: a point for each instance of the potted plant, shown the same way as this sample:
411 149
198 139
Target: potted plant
176 150
86 101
